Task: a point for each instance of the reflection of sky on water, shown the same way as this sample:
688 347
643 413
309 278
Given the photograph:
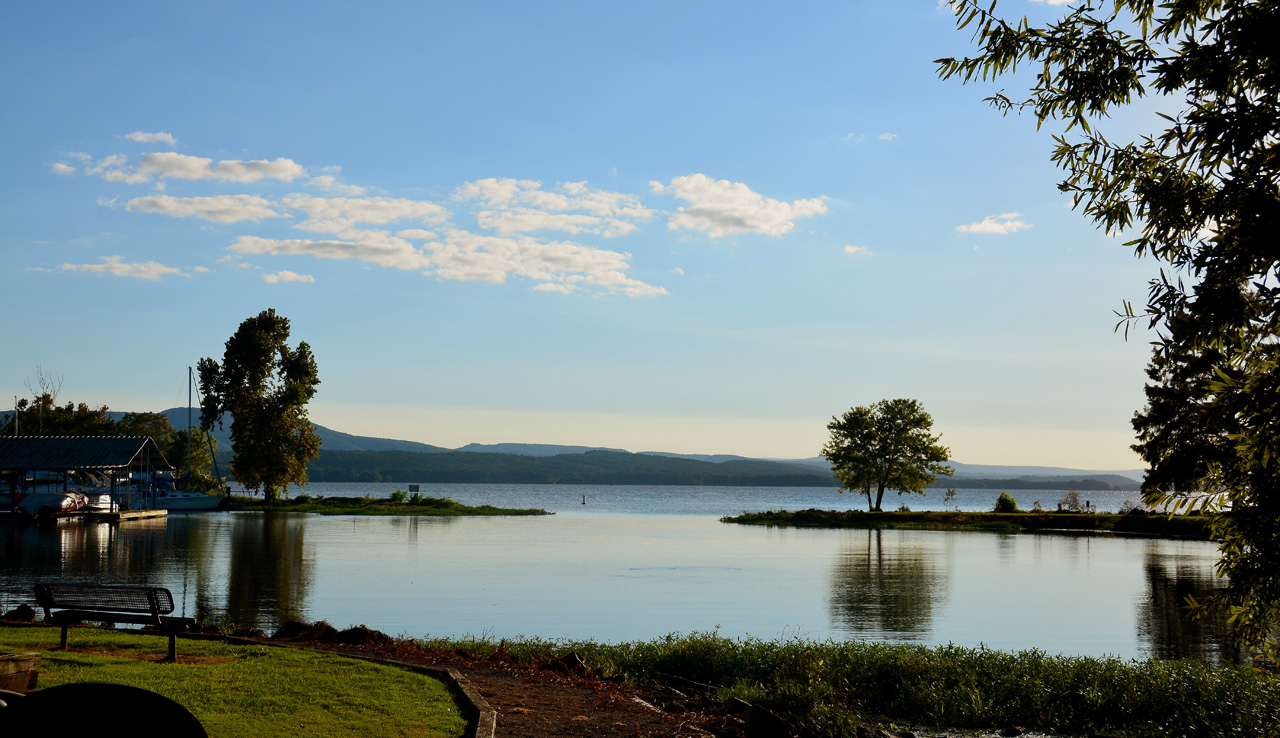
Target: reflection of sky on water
620 577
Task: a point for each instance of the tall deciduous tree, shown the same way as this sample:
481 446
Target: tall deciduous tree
265 386
1204 195
887 445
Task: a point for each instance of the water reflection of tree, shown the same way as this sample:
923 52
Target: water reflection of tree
1163 625
886 588
270 574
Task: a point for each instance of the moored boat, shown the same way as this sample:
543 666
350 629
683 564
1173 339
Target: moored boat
45 504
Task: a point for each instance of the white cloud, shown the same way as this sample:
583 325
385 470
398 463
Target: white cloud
77 155
375 247
113 169
219 209
287 276
181 166
417 234
465 256
1001 225
201 270
677 271
64 169
886 137
1053 2
340 214
522 206
160 137
721 207
114 265
851 249
329 183
563 289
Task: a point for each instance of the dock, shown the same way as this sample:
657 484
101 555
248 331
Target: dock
123 515
90 516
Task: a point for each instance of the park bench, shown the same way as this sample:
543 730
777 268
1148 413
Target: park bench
69 604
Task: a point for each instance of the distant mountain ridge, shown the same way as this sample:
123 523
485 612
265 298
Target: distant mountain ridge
979 474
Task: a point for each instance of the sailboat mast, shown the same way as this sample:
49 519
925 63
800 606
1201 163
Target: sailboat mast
189 381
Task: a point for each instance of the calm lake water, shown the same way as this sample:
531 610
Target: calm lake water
641 562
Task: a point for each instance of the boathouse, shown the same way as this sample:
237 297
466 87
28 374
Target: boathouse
24 460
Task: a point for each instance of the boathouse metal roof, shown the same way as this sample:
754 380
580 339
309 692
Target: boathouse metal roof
88 453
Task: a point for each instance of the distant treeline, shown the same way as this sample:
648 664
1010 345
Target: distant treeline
1081 485
593 467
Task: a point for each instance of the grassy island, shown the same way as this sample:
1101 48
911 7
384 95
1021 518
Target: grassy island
1180 526
398 504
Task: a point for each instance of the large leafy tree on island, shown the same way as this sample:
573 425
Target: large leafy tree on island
1204 196
887 445
265 386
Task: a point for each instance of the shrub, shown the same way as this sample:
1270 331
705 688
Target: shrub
399 496
1006 504
1071 502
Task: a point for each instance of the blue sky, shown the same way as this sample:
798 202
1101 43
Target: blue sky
695 227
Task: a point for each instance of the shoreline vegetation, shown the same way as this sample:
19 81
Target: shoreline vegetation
832 688
836 688
398 504
1176 526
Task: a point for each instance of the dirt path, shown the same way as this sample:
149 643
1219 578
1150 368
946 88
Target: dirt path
549 702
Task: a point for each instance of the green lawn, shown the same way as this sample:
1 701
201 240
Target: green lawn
239 690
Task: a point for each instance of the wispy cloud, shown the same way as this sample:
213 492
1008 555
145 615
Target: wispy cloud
116 266
116 168
218 209
887 137
521 206
181 166
721 207
287 276
63 169
851 249
160 137
468 257
1000 225
330 183
341 214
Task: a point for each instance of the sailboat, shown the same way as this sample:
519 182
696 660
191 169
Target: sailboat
169 497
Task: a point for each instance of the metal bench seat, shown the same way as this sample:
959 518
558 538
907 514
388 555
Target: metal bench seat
69 604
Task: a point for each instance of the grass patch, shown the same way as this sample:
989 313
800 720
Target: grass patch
832 685
1180 526
416 505
256 691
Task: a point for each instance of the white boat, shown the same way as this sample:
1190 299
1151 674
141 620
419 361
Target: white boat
38 504
171 499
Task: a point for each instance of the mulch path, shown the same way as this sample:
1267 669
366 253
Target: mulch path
557 699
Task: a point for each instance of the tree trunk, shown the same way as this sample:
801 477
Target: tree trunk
867 492
879 496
